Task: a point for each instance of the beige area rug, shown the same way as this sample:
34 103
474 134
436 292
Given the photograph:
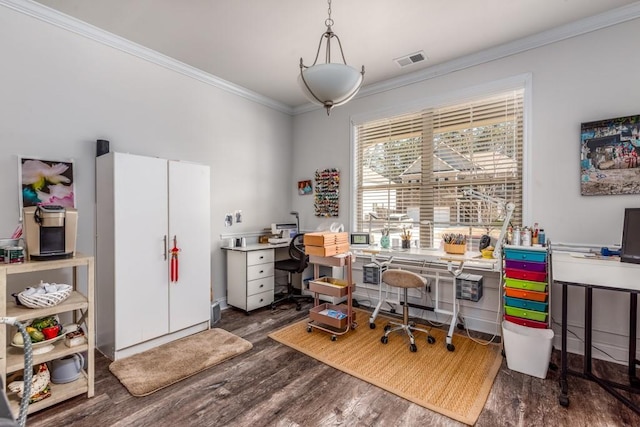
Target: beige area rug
455 384
147 372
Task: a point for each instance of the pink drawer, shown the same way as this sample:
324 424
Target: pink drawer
535 276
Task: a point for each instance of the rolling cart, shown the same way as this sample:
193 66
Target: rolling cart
334 319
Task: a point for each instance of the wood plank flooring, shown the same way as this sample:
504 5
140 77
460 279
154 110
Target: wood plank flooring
273 385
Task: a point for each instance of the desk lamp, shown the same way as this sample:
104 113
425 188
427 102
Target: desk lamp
297 215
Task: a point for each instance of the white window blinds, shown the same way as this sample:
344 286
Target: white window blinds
441 169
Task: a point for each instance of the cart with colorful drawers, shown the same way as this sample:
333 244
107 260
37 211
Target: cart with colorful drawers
526 286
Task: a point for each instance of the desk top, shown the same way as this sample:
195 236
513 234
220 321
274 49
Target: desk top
575 267
257 247
431 255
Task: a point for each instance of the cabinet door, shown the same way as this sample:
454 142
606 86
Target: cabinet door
190 224
140 226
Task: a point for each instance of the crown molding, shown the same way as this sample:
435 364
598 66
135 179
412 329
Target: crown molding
82 28
593 23
583 26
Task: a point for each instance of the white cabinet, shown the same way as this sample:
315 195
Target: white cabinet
250 278
79 304
143 204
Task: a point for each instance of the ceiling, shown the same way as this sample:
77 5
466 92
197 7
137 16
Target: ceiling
257 44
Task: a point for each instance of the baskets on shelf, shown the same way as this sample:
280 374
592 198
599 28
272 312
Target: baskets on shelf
46 299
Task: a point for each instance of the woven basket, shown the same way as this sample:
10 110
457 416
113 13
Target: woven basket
455 249
45 300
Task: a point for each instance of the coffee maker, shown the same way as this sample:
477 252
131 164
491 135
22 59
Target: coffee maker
50 232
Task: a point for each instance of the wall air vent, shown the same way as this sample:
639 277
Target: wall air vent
410 59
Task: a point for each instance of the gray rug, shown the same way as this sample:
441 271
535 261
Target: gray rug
147 372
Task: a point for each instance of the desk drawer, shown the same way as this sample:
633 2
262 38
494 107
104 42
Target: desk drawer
526 265
526 314
259 300
525 284
534 276
260 257
260 285
526 304
525 255
526 322
259 271
530 295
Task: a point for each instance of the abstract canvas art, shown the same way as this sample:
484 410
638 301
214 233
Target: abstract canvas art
609 152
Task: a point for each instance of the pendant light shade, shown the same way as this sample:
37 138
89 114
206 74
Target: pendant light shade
330 84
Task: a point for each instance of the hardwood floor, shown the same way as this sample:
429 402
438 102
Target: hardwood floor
274 385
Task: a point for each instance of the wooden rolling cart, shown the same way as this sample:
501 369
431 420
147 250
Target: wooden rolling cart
333 319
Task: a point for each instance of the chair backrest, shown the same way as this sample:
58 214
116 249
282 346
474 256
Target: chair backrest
296 252
403 279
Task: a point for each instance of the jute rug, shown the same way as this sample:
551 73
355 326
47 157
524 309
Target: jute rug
455 384
147 372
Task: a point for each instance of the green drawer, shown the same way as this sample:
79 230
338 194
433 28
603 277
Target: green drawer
525 284
526 314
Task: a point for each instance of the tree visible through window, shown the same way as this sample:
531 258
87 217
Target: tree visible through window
451 168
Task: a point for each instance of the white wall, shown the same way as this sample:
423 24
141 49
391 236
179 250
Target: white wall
61 91
585 78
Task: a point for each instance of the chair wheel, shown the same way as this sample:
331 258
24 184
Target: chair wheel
384 339
563 400
372 325
450 347
298 306
431 340
413 348
309 329
333 337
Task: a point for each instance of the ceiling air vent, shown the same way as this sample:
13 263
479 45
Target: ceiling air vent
410 59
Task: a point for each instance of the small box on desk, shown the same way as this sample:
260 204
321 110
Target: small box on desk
325 251
326 239
469 287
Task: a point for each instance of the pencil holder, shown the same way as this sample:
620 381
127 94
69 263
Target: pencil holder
454 249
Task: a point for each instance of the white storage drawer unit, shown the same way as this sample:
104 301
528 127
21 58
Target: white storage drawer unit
250 278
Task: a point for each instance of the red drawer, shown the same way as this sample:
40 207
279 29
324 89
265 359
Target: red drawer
526 322
525 294
526 265
535 276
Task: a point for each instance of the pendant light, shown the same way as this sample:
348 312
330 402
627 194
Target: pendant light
332 83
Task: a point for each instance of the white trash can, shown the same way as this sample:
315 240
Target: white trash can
528 350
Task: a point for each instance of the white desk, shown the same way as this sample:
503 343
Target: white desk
574 269
250 275
440 263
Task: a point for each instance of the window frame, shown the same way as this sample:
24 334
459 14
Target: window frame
468 95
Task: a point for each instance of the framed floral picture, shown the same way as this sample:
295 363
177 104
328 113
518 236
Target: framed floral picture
45 182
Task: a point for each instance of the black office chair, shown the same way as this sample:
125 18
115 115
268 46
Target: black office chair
297 263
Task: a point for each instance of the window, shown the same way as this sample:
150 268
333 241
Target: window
450 168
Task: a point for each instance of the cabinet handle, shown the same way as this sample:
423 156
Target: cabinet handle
262 285
166 248
261 299
262 257
261 271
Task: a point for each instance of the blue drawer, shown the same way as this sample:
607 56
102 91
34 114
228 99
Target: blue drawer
525 255
525 303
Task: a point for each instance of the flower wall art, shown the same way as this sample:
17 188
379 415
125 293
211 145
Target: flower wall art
46 182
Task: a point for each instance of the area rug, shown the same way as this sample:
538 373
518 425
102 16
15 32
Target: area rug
147 372
455 384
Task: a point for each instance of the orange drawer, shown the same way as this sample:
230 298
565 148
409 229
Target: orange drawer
530 295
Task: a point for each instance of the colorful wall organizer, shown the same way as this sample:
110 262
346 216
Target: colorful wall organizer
327 192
